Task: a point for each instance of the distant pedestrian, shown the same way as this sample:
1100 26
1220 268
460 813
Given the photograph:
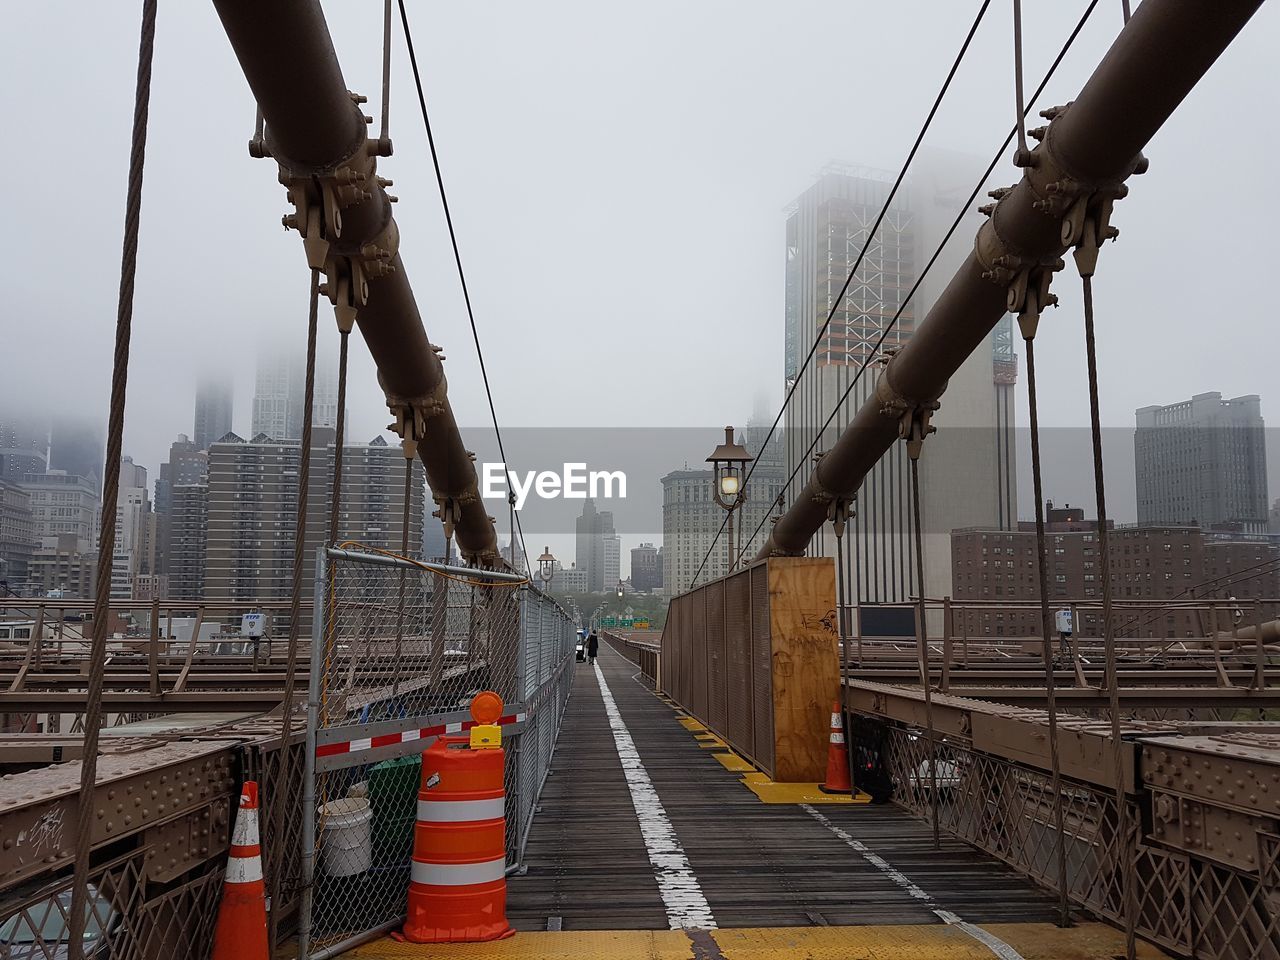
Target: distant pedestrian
593 647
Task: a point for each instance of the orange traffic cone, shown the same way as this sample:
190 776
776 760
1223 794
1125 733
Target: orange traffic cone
837 757
241 933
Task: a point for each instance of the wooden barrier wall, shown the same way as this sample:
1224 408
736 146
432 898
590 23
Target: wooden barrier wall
754 656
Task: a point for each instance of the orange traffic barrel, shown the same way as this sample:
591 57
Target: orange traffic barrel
457 882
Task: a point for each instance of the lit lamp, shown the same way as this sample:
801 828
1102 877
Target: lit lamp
729 461
546 568
619 589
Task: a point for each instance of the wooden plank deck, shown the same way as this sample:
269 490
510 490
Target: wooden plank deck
759 865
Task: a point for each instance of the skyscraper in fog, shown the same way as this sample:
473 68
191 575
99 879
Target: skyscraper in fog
967 469
592 527
78 447
1203 461
278 395
214 404
23 449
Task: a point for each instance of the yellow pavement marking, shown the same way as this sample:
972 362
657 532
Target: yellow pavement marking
1034 941
710 740
691 724
734 763
771 792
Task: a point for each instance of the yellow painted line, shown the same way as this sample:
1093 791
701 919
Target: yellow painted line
734 763
1033 941
712 741
771 792
691 724
560 945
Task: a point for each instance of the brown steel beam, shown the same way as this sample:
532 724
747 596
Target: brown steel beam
1089 149
140 701
1207 696
316 132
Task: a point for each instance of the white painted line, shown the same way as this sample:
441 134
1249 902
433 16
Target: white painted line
989 940
681 893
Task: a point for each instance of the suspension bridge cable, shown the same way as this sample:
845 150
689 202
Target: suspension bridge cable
871 235
457 258
964 208
1046 647
111 487
1110 672
279 798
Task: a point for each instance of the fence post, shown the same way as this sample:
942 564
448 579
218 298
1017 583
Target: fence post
523 803
153 652
319 631
947 624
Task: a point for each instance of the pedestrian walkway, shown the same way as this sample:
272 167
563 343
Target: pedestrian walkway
645 845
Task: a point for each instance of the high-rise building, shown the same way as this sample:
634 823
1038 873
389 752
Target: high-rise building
279 389
967 471
215 400
592 528
252 508
646 569
64 504
187 464
611 571
1203 461
23 450
77 447
17 534
62 566
133 551
187 539
691 519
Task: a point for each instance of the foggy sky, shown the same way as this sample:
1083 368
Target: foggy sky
618 175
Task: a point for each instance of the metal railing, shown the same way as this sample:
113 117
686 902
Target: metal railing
643 653
1187 900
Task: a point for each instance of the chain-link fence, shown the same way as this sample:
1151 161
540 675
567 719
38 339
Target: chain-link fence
404 647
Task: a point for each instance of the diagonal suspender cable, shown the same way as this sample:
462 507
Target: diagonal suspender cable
1112 677
964 208
111 485
871 234
344 336
1051 703
279 799
457 256
922 647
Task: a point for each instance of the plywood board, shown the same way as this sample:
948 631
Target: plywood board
805 662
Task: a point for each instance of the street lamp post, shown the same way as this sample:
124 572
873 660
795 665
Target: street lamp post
729 461
546 568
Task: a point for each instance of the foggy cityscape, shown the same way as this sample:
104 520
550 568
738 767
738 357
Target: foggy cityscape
619 389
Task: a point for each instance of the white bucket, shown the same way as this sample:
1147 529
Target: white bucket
345 846
360 789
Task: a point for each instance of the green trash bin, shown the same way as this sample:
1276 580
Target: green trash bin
393 793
